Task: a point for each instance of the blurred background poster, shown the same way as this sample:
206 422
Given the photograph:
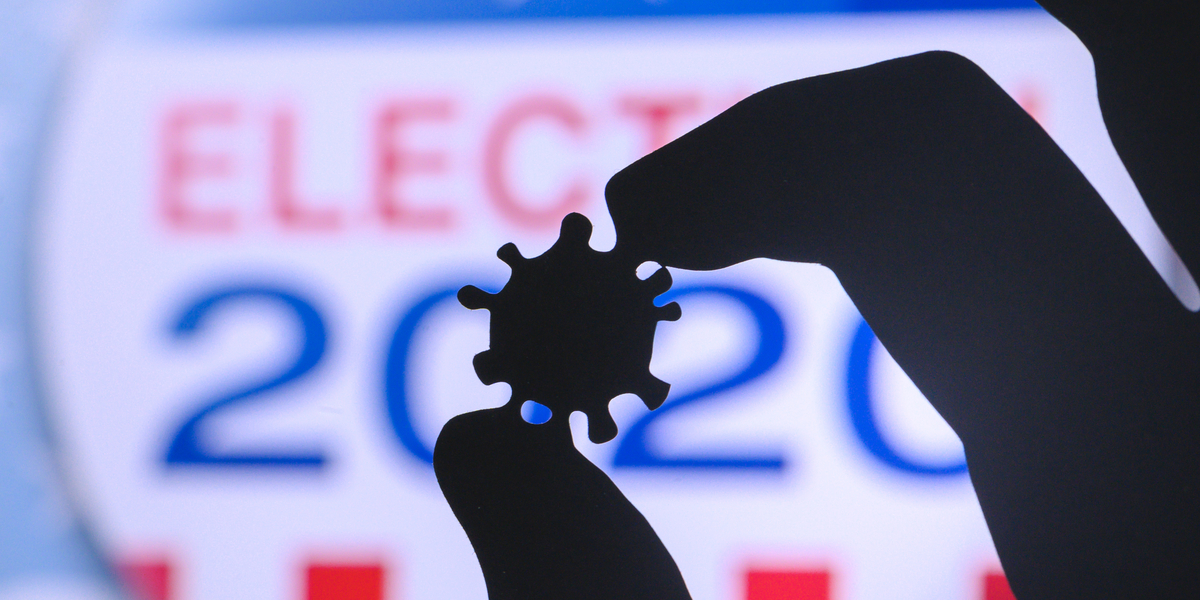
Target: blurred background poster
230 237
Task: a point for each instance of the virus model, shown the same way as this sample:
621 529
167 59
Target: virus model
572 329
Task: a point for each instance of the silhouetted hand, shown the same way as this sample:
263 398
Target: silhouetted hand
546 524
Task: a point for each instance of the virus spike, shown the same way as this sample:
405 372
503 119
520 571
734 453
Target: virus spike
486 367
653 391
659 282
474 298
601 427
669 312
575 228
510 254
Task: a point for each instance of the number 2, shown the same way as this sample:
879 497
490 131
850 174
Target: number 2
187 447
634 451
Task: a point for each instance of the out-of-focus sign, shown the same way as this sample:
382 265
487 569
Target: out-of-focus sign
245 268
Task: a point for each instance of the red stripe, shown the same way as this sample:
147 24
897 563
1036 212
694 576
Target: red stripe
345 582
787 585
995 587
146 580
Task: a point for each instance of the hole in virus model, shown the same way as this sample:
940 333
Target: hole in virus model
534 413
647 269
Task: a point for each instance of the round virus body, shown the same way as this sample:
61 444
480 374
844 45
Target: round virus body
573 328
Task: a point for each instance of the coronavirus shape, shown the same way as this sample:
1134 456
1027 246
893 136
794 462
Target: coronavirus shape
573 328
